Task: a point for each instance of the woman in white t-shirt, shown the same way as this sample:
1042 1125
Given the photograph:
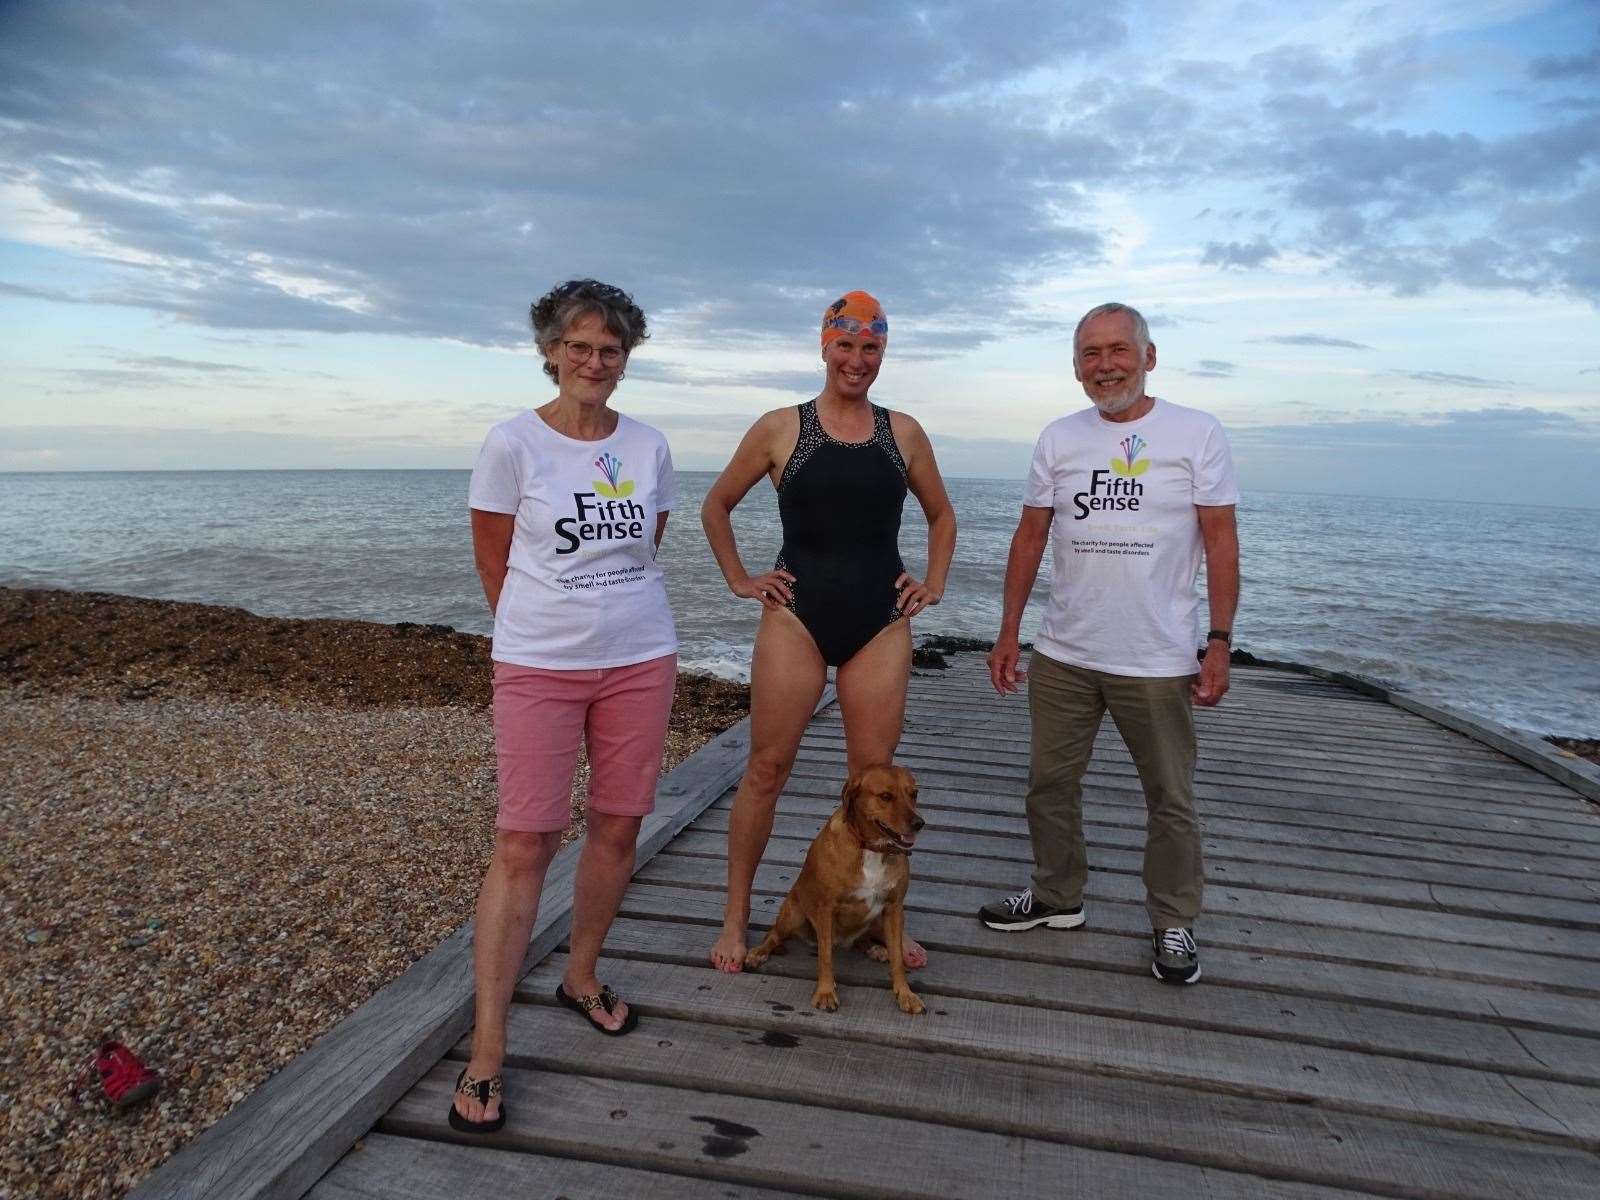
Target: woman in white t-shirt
569 502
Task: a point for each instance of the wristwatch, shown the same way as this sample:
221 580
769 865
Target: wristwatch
1222 635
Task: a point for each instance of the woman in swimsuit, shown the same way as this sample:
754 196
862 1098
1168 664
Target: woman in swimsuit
839 596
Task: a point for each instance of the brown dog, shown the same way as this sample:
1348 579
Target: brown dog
853 885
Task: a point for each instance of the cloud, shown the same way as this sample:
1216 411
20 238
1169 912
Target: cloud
109 379
1164 320
1467 381
807 381
1442 429
1313 339
395 170
1211 368
168 362
418 186
1238 254
1571 66
26 292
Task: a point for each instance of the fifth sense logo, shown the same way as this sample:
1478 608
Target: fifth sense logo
1118 489
613 519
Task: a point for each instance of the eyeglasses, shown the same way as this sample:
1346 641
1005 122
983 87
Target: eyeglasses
579 353
879 327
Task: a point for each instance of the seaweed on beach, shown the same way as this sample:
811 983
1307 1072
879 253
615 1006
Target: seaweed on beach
132 649
945 644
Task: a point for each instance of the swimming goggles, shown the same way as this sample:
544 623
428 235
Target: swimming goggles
879 327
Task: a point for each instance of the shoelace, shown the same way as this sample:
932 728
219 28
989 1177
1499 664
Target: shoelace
1178 941
1023 902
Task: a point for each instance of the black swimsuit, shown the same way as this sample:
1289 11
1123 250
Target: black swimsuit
840 507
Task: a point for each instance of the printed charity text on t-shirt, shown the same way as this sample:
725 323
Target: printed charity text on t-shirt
1127 541
1121 493
614 519
598 520
589 580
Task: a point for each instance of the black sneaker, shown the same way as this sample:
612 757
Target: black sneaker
1177 958
1022 911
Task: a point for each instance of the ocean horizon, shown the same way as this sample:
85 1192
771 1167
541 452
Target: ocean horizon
948 478
1475 603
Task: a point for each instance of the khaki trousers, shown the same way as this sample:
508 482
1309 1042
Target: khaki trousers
1156 721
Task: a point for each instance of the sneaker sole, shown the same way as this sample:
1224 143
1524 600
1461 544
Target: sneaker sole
1069 921
1155 970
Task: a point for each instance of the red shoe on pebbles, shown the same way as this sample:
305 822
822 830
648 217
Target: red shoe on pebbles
124 1079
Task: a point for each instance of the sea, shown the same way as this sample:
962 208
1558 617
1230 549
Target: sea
1493 608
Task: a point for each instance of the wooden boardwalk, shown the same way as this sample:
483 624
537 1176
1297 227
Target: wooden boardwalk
1401 994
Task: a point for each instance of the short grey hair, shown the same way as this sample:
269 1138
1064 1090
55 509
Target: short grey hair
1141 328
554 313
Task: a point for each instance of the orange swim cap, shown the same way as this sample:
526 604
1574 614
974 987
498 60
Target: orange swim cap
854 312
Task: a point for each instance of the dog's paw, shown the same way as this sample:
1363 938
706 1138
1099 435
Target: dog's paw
876 951
909 1003
753 960
827 999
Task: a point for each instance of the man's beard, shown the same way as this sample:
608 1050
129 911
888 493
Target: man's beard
1111 405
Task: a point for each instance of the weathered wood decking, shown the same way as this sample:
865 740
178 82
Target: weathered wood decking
1401 993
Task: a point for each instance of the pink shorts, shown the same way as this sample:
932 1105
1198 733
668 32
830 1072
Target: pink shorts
541 716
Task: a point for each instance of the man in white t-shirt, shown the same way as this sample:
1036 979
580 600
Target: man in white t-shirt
1130 491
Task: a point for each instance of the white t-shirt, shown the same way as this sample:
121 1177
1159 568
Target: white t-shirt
1126 537
584 589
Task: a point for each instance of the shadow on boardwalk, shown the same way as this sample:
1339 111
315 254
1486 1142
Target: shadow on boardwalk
1401 996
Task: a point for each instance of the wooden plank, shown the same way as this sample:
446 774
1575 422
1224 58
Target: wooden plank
1230 1132
1314 861
1123 947
1288 790
1440 753
1235 899
397 1168
1396 729
999 856
1512 784
1442 792
1110 810
950 692
1263 934
768 1143
284 1135
1248 756
1342 708
1355 753
1365 816
1397 1089
1384 741
1308 1021
1581 776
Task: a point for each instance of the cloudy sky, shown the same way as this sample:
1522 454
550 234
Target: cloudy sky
306 234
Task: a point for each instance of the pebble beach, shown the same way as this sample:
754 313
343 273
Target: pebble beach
221 834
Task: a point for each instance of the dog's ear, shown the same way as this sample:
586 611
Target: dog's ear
852 789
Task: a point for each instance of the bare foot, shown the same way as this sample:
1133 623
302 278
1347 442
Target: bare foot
916 957
470 1107
727 954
